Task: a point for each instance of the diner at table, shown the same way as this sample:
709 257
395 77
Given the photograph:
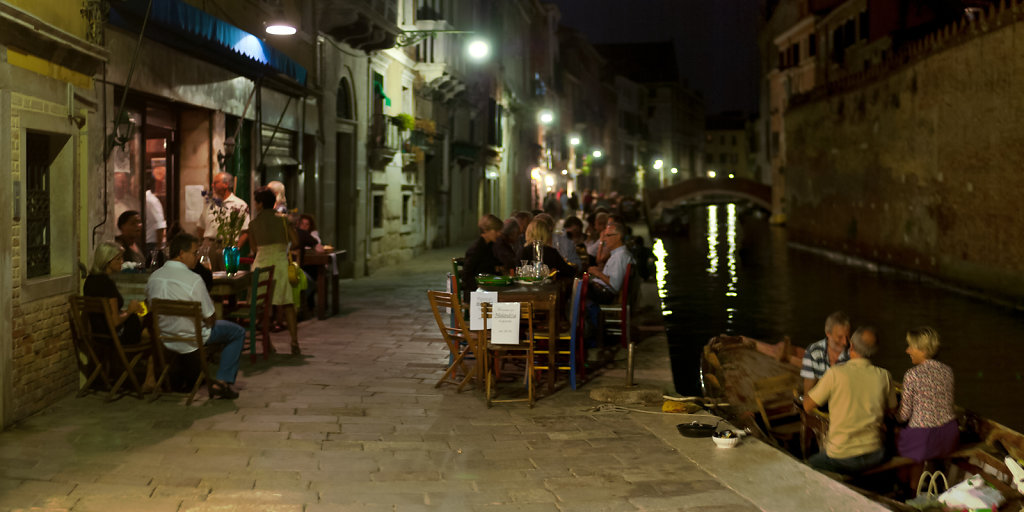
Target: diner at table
480 258
176 281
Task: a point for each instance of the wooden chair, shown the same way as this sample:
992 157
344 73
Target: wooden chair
89 361
618 316
461 342
569 358
780 414
192 311
105 343
523 351
255 313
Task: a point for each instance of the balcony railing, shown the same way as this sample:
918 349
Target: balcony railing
385 140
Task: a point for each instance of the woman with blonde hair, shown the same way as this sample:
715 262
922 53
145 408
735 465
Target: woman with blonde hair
106 260
927 401
280 201
269 235
540 231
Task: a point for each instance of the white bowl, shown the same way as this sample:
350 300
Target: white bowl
725 442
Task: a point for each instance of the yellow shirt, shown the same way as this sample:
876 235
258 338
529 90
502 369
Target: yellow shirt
858 394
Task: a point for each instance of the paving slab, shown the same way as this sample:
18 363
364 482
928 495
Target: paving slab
356 423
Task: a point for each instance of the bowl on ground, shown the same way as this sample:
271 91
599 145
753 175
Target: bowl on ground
725 439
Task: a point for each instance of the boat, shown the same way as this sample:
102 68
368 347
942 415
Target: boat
758 385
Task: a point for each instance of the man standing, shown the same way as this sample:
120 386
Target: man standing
175 281
824 354
223 197
859 394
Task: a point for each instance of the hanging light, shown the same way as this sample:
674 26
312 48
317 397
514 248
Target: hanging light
278 24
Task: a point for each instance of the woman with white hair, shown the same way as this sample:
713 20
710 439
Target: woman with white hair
280 201
107 259
927 401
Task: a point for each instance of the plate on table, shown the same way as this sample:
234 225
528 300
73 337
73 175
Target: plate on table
531 280
492 280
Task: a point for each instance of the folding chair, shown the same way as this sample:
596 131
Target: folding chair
462 343
190 310
106 344
522 351
89 362
256 312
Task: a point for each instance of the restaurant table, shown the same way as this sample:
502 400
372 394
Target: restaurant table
225 286
540 295
326 279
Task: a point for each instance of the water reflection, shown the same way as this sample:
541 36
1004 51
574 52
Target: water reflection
768 291
661 272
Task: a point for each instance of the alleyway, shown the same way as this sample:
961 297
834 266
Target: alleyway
356 424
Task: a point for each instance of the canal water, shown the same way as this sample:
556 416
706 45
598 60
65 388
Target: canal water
735 274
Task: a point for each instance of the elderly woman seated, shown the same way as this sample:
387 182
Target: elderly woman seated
927 401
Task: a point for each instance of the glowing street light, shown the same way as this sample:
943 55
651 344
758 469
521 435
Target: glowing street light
712 174
675 170
597 153
545 116
658 164
565 172
574 141
478 49
731 175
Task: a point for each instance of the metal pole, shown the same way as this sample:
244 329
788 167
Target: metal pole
629 365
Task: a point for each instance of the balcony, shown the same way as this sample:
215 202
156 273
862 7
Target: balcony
385 141
440 60
366 25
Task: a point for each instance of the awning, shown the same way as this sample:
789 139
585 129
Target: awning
179 25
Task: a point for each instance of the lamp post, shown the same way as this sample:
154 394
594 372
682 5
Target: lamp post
571 185
659 165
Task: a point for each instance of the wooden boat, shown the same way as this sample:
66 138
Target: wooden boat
760 382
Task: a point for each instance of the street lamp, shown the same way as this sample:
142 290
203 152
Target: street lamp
597 153
545 116
574 140
478 49
658 164
278 24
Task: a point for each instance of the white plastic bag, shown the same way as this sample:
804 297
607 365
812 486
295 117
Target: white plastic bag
973 493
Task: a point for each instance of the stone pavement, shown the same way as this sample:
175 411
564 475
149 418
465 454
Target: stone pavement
355 423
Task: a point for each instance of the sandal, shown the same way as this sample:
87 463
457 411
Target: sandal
296 351
221 389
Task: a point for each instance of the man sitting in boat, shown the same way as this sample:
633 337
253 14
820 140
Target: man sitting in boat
859 394
824 354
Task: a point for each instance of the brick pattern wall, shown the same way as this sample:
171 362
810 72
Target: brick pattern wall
920 167
43 359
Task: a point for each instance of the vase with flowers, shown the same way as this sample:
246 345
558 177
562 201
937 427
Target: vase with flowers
230 222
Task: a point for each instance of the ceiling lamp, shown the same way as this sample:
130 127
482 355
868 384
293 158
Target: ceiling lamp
278 24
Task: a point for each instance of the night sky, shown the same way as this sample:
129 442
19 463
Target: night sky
716 40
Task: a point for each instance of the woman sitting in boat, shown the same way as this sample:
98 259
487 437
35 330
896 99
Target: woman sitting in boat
927 401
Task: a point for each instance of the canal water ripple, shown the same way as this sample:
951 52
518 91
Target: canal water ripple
735 274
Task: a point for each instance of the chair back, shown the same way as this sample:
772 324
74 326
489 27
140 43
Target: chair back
190 310
260 297
526 317
774 398
457 265
439 301
495 354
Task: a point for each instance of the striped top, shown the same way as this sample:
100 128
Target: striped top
816 360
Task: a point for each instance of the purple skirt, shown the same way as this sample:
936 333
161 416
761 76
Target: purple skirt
922 444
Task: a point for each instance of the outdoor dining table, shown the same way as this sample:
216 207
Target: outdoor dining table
540 294
227 286
132 286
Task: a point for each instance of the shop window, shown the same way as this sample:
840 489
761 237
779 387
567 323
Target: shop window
48 242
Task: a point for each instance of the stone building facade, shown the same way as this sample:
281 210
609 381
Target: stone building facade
915 164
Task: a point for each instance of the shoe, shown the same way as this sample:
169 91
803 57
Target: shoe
221 389
296 351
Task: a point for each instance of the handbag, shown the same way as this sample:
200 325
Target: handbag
294 270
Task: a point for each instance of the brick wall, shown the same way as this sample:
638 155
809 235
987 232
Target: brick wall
43 368
918 165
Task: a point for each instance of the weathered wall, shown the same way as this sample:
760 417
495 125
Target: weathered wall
918 166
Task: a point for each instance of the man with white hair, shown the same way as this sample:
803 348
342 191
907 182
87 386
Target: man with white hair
858 394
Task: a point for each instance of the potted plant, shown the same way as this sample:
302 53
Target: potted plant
405 121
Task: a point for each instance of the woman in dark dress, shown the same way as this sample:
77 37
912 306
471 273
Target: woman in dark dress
107 260
540 231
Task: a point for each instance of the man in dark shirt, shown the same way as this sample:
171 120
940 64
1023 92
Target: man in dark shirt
480 258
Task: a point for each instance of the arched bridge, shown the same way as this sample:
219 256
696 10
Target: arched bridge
685 191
